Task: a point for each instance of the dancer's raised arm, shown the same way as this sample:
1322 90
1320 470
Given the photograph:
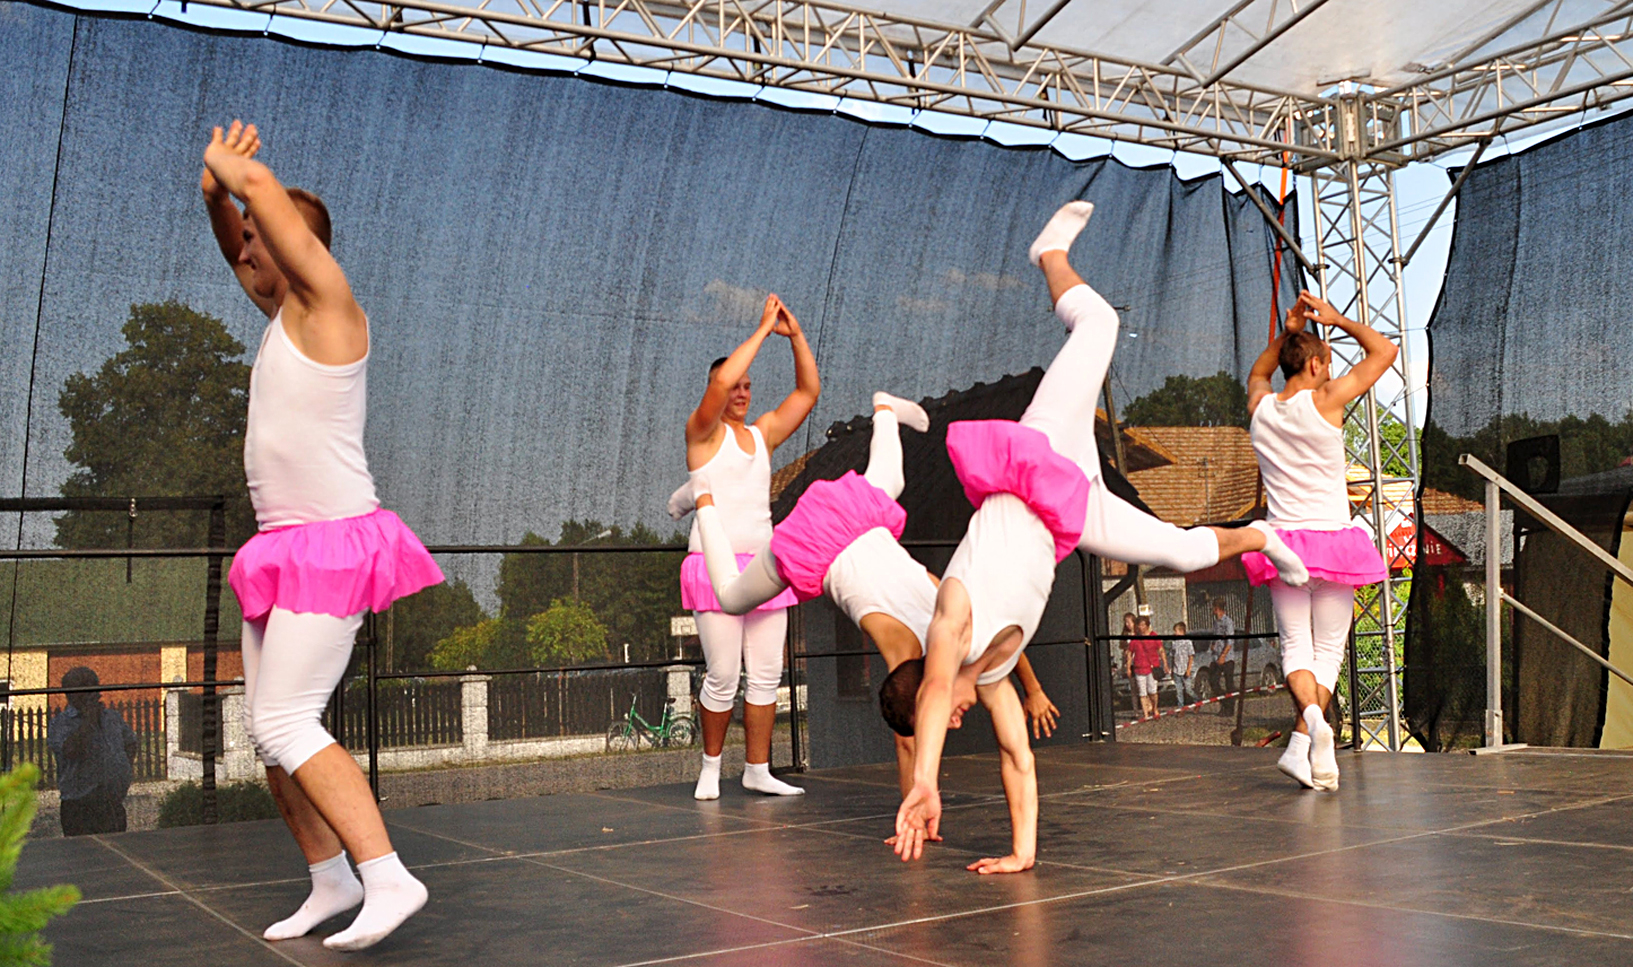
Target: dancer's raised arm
1258 378
780 423
227 222
319 313
1332 396
704 422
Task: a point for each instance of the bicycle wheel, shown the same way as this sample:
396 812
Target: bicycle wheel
681 732
622 737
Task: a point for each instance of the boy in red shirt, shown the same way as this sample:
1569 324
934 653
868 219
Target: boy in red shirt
1145 656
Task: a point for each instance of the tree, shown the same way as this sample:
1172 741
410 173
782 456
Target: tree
566 633
472 646
1587 445
1217 400
418 622
24 915
164 416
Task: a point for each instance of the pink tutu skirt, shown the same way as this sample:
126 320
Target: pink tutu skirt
1345 556
1004 457
335 567
828 517
697 594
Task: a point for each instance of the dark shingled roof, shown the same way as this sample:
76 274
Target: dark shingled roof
934 500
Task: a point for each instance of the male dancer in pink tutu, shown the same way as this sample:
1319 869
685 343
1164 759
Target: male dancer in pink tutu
841 540
1038 495
325 553
1299 439
736 456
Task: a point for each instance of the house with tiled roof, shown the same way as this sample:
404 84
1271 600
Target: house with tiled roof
1211 475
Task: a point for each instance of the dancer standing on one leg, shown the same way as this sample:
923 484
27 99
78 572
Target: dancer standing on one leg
841 540
736 458
1038 495
1298 437
325 552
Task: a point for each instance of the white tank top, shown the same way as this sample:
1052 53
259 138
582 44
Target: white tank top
303 444
1301 460
741 483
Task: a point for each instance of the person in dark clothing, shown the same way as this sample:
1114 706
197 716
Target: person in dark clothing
94 746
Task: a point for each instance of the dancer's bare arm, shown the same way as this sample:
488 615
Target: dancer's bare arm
320 315
1017 767
780 423
1336 393
228 223
919 817
704 422
1258 378
1039 710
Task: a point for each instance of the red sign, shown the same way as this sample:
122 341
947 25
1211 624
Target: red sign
1403 546
1434 549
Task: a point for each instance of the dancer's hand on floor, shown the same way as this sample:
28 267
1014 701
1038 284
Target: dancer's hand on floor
891 840
918 820
1041 713
1003 864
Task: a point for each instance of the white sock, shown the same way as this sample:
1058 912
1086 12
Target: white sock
908 412
391 895
757 777
1323 755
1288 566
1057 236
708 779
1295 762
334 891
681 502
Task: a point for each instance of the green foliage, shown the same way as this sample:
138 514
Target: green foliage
469 646
630 597
235 803
566 633
1217 400
1391 440
415 625
24 915
164 416
1586 445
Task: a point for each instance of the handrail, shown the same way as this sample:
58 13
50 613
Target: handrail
1555 523
1497 484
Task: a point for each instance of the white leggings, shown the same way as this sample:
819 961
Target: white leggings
292 663
1063 409
731 642
1314 623
760 581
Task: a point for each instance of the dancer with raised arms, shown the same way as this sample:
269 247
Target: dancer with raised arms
841 540
1038 495
1298 437
736 457
325 552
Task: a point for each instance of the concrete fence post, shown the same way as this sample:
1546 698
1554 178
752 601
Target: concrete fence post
473 706
680 688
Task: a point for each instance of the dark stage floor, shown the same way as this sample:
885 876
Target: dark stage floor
1148 855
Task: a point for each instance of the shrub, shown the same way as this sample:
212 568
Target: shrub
24 915
235 803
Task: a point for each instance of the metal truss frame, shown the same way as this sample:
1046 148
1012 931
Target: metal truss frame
1347 140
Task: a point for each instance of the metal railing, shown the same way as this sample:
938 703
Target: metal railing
1496 486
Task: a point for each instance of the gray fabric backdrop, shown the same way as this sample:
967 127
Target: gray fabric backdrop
550 263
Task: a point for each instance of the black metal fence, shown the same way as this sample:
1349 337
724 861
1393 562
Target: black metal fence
25 732
549 704
413 712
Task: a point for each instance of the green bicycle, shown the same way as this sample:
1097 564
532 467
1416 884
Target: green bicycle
673 730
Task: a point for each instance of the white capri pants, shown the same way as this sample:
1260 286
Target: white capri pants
292 663
1314 623
732 642
1063 409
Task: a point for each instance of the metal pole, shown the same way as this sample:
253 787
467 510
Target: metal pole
209 707
796 631
1494 618
1356 742
372 642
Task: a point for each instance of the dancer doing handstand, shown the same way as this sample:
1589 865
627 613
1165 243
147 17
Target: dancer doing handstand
1038 495
736 456
325 552
1298 437
841 540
